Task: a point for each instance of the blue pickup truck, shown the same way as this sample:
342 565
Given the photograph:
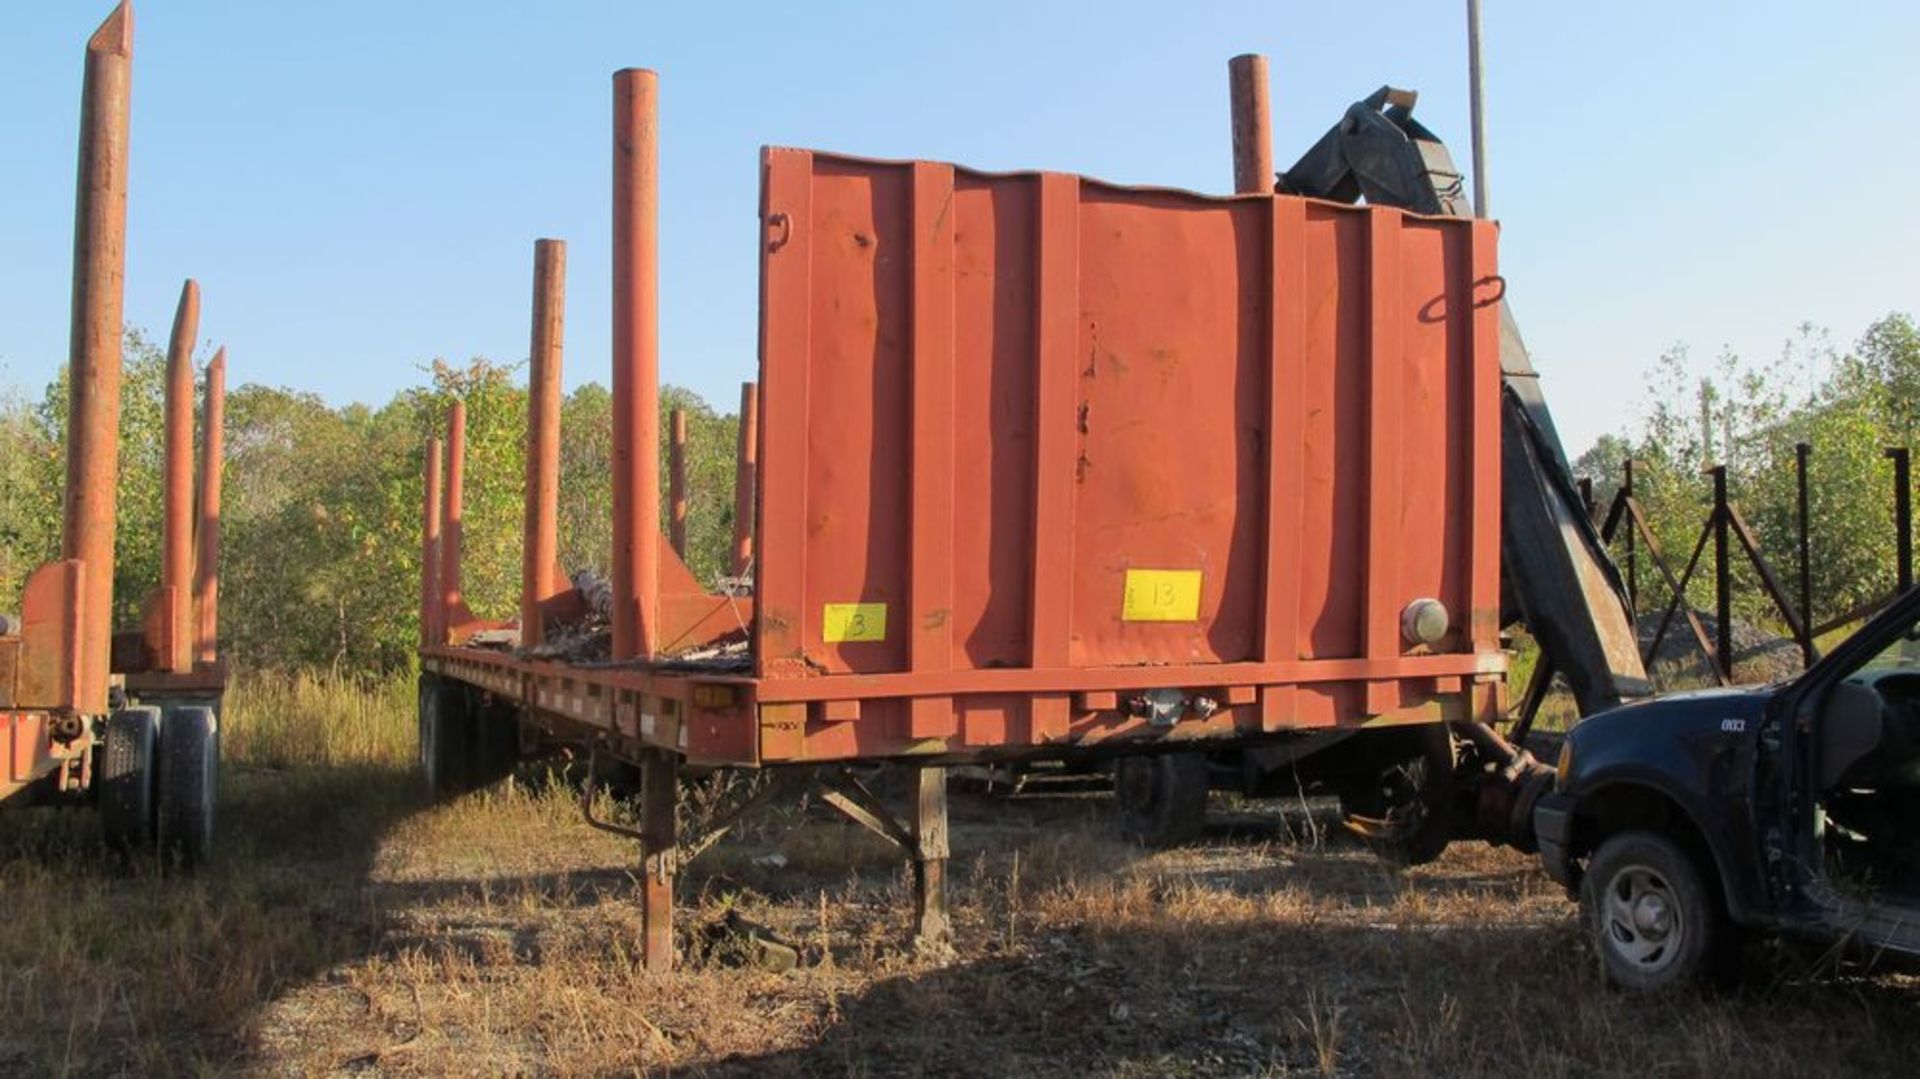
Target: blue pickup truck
1685 823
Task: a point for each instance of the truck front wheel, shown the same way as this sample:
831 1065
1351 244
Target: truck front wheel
1652 916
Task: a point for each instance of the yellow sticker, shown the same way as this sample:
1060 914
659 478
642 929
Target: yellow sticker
1161 595
855 622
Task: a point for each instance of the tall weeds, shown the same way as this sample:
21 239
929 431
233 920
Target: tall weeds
282 720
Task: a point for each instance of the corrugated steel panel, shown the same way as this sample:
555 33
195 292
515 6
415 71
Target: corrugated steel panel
1036 421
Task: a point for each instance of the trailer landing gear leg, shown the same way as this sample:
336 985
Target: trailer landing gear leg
930 926
659 793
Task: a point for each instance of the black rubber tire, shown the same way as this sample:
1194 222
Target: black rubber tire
445 735
189 789
494 751
1416 785
1162 797
1676 942
127 779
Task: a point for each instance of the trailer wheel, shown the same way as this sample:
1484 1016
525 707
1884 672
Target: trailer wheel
443 736
127 779
1654 920
1162 797
189 783
494 749
1404 812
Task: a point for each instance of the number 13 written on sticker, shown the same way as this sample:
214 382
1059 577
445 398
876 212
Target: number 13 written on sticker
854 622
1161 595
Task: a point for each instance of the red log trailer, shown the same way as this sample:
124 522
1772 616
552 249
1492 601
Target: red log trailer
129 721
1044 467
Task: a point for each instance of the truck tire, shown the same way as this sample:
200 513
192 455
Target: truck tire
127 773
189 785
1653 918
1404 811
444 736
1162 797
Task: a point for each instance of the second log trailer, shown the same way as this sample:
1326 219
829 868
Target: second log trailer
125 721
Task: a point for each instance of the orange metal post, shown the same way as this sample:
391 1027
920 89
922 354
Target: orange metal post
744 478
206 580
99 282
451 519
430 632
677 478
1252 125
636 363
541 547
659 794
176 553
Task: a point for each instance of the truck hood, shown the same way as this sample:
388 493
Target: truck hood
1729 714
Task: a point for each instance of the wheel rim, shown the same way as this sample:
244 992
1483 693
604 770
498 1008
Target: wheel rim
1641 919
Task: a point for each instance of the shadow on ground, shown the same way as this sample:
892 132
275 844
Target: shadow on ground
1257 998
108 965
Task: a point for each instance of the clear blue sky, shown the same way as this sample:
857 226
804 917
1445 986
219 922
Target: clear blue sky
357 185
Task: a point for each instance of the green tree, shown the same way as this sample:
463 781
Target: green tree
1748 417
321 515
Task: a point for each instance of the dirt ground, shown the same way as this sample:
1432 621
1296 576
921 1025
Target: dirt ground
352 929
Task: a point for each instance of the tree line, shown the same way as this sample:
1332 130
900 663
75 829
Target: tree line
320 528
1848 404
321 540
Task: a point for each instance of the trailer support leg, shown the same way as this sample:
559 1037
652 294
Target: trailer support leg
930 926
659 794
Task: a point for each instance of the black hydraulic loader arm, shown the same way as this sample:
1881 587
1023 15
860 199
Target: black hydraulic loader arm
1558 577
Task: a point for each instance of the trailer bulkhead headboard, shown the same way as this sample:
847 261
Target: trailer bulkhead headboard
1035 449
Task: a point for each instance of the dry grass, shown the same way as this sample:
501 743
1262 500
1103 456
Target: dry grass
351 928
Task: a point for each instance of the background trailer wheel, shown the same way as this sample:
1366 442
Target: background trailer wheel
189 784
1405 810
1162 797
444 736
493 746
127 773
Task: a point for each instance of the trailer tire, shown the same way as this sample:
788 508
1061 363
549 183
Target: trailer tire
1162 797
444 736
127 773
1655 921
189 783
494 750
1404 812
